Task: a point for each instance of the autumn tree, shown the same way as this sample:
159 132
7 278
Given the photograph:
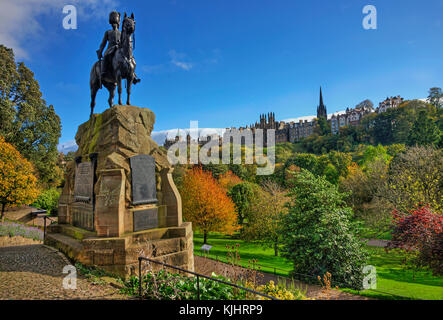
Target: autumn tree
17 181
415 177
25 120
206 204
228 180
265 214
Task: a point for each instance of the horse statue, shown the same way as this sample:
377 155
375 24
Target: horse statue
119 61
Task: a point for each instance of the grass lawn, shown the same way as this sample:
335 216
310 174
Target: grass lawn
247 251
392 277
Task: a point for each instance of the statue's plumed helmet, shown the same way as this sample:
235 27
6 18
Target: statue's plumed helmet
114 18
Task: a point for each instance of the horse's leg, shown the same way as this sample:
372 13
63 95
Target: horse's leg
111 89
119 83
94 90
128 90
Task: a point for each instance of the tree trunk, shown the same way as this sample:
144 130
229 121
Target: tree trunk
276 249
205 237
3 211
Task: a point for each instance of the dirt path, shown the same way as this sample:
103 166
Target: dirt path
207 266
376 243
30 270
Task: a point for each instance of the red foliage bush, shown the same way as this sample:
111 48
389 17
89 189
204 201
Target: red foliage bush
421 230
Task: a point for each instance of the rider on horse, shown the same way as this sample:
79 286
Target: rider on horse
112 37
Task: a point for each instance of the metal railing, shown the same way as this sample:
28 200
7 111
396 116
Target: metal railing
42 214
196 274
285 274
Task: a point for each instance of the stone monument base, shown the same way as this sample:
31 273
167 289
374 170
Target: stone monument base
119 200
119 255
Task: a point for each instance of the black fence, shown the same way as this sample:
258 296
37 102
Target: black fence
42 214
196 274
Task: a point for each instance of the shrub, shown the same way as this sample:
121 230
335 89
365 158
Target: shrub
16 229
280 291
421 233
163 285
48 200
318 235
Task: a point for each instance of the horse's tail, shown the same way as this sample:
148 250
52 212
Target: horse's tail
93 80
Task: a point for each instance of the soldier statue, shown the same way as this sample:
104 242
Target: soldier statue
117 62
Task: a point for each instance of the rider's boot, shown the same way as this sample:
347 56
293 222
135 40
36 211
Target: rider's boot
136 80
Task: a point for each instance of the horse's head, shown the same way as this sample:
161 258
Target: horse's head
128 24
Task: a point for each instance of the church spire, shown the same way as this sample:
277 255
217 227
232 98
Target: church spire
321 97
321 109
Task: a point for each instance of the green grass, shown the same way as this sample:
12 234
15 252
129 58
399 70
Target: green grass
394 278
394 281
247 251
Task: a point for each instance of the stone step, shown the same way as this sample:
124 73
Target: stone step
66 244
71 231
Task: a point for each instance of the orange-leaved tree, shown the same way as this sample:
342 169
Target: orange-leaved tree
206 204
18 185
228 180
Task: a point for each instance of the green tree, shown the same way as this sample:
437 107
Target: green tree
323 126
372 154
25 120
241 194
395 149
425 131
341 161
265 213
435 97
317 232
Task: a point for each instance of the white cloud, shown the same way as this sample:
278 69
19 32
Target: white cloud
310 118
20 20
177 59
67 146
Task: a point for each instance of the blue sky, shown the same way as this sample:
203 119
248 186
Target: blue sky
223 62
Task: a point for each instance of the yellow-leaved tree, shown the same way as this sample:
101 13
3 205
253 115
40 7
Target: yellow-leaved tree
18 184
206 204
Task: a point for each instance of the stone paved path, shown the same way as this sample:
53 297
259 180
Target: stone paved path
29 270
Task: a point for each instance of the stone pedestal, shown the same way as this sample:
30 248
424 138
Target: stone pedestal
102 220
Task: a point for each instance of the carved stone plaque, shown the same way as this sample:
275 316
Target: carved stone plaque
143 180
84 182
145 219
83 216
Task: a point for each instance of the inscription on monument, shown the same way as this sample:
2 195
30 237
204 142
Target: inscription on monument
143 180
84 182
145 219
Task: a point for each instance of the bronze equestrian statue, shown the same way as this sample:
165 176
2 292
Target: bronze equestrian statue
117 63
